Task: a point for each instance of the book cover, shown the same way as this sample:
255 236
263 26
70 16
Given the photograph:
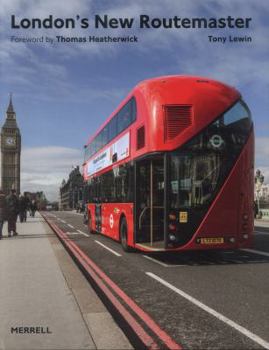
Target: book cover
65 68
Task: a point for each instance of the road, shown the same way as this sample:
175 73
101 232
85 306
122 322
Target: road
202 300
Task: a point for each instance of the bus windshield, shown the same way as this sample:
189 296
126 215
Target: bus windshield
199 168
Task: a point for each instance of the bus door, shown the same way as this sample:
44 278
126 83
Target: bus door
98 217
150 202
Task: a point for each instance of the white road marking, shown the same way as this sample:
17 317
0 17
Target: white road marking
262 232
72 233
83 233
159 262
111 250
64 222
212 312
74 212
70 226
154 260
255 252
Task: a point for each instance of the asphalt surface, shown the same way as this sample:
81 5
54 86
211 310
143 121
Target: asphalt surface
203 300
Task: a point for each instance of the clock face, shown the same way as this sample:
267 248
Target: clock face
10 141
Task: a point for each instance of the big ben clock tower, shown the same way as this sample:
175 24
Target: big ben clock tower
10 152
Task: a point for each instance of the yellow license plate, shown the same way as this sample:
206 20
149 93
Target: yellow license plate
217 240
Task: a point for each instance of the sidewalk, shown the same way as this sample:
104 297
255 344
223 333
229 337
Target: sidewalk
261 223
45 301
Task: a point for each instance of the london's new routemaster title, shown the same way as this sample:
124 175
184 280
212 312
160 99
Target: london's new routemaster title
172 168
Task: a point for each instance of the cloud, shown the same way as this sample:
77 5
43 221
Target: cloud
44 168
225 67
50 68
43 72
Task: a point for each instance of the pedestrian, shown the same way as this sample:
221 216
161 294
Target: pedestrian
28 202
22 208
256 209
2 211
33 208
12 209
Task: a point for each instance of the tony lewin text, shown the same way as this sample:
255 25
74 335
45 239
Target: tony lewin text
230 39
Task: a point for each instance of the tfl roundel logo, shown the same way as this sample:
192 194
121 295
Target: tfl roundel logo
111 221
216 141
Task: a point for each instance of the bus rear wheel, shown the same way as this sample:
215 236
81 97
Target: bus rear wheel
124 235
90 224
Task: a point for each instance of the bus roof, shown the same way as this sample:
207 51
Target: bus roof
152 83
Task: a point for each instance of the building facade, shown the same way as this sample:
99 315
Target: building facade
71 191
10 152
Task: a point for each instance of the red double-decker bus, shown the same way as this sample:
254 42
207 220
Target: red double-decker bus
172 168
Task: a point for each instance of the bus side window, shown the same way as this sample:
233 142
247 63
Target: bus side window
112 128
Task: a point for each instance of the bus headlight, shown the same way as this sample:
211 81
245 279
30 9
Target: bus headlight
172 237
245 217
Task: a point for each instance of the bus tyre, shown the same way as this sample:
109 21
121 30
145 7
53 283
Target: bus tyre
124 235
90 224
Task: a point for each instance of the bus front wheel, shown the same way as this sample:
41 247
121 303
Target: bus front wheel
124 235
90 224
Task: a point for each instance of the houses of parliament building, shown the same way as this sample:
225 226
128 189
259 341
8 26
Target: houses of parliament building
10 142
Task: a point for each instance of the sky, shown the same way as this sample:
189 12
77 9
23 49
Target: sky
63 92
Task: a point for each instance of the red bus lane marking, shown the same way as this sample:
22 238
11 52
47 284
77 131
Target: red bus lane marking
166 339
161 334
146 339
143 336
